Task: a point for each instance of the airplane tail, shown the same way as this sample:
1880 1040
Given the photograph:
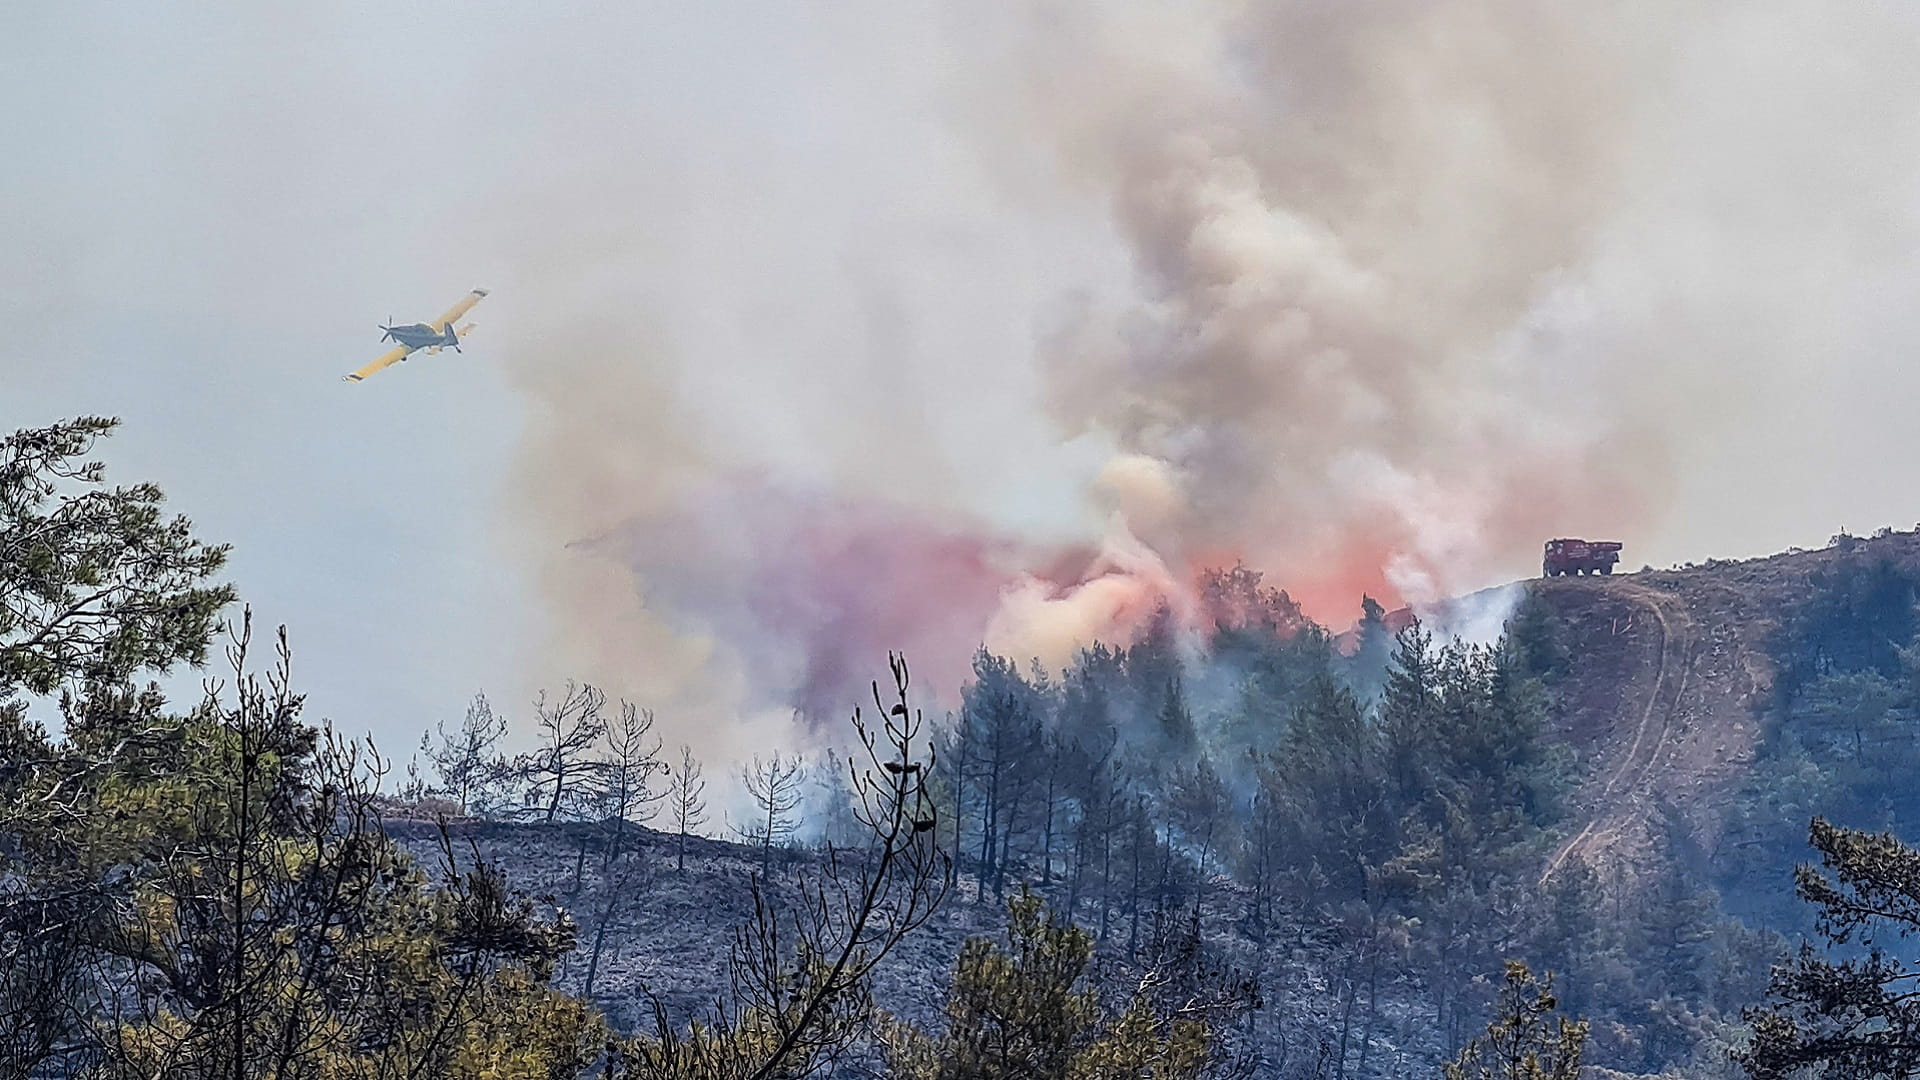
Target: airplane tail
453 338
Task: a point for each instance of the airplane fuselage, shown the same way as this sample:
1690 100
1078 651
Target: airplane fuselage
420 335
439 334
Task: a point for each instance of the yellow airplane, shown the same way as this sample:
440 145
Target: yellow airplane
434 336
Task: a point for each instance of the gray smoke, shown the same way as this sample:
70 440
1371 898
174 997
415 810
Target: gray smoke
1418 284
1034 307
1375 297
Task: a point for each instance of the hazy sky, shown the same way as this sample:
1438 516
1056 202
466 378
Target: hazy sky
208 209
880 251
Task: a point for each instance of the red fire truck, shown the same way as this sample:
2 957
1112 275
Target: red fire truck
1580 557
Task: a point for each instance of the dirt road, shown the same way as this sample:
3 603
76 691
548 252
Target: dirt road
1615 800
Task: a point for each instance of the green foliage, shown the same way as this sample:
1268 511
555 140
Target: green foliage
1852 1016
1859 617
217 883
1462 729
1366 669
468 762
209 894
1025 1009
238 874
1202 809
1324 782
1538 641
1526 1039
96 585
1415 820
1842 737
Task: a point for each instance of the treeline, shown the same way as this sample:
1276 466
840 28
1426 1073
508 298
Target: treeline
210 892
589 763
599 761
1394 794
1396 799
1841 735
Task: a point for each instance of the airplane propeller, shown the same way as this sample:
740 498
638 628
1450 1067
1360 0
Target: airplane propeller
387 331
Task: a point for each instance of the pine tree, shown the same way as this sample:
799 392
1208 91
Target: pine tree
1024 1009
468 760
1567 938
627 766
1855 1016
1201 808
686 803
98 584
774 785
1327 776
235 856
1000 716
560 774
1409 714
1367 667
1526 1040
832 810
1676 917
1175 720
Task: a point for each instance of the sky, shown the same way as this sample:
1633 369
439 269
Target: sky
209 210
819 329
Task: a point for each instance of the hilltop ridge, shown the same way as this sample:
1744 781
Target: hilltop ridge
1669 672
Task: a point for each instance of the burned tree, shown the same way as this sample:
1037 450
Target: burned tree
560 775
626 770
774 785
687 803
627 766
1202 808
800 969
1002 726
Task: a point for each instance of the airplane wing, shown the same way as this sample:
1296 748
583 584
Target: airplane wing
387 359
465 305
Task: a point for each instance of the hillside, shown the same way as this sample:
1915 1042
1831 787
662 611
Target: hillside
1660 709
672 931
1670 672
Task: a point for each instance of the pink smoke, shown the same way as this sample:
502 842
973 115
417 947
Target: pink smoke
810 590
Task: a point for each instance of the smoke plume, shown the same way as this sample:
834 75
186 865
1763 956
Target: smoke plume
1374 298
1345 223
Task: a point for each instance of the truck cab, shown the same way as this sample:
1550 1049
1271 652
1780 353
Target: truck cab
1576 557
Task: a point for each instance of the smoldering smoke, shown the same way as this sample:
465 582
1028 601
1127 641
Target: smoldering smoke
1343 220
1405 288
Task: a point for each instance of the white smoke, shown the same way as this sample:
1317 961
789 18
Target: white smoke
1407 289
1374 296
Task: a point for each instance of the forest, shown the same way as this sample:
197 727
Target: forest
1268 851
